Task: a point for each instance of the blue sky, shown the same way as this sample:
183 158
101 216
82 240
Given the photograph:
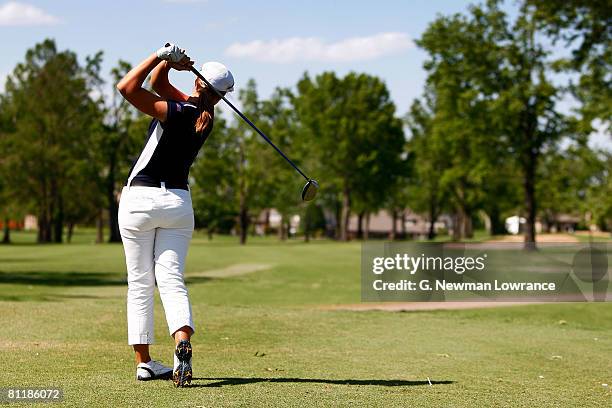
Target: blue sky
273 42
131 30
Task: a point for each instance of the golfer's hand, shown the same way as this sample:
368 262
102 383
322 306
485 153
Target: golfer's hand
171 53
183 65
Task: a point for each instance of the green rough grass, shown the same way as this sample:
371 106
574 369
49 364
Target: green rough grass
63 324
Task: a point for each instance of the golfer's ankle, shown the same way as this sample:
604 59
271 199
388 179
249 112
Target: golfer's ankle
142 353
142 359
184 333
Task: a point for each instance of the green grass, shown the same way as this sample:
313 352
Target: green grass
63 324
597 238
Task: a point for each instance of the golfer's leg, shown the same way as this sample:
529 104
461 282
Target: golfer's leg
170 252
139 246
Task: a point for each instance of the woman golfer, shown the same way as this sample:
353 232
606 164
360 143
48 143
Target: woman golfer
155 211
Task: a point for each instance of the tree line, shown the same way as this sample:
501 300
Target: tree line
486 139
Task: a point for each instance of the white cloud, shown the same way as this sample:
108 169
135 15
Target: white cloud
21 14
315 49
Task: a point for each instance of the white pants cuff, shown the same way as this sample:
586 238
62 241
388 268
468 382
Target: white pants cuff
135 338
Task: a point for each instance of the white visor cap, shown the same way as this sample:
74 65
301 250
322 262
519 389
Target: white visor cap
219 76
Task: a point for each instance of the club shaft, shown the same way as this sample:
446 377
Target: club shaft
199 75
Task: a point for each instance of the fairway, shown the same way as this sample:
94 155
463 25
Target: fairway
264 338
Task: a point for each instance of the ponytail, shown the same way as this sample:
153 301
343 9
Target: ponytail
206 110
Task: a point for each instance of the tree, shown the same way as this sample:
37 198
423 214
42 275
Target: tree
6 197
51 114
585 29
118 140
491 77
575 181
458 94
429 161
277 119
599 192
235 168
350 127
255 183
214 174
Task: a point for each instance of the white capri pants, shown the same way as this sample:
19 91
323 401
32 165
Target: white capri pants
156 225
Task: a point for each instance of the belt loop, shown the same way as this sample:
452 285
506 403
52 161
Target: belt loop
163 186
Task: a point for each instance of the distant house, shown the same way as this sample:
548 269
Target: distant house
270 219
381 224
564 223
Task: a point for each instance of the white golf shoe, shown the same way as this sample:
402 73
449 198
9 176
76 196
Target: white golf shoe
152 370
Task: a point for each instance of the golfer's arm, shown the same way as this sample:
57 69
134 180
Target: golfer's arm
131 88
161 84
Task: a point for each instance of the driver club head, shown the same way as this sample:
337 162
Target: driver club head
310 190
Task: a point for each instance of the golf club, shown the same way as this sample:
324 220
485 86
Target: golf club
310 189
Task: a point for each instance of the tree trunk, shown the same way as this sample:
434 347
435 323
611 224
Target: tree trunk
44 224
403 226
267 222
393 232
530 201
497 226
70 231
49 218
113 205
360 225
43 227
288 228
457 226
431 234
39 233
338 215
345 214
366 232
243 212
6 238
282 233
455 233
40 236
58 219
244 224
548 221
100 227
433 216
468 230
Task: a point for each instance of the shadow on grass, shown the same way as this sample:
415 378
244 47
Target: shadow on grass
199 279
40 297
61 278
58 278
220 382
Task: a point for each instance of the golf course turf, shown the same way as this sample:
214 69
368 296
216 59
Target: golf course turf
263 337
